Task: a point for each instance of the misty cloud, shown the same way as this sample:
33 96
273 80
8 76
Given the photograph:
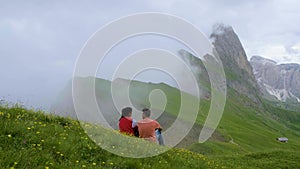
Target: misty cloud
40 40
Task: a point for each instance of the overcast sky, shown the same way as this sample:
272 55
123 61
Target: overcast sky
40 40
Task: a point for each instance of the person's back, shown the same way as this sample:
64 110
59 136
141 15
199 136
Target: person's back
148 126
126 123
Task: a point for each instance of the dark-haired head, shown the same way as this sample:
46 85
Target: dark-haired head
127 112
146 112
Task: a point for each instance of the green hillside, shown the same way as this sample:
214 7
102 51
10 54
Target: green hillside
249 136
36 140
32 139
251 129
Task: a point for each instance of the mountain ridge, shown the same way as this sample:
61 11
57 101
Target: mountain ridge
239 73
281 81
250 123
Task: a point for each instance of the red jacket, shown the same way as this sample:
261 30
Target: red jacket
125 125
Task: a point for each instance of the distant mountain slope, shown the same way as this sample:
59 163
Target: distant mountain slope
279 80
249 123
139 94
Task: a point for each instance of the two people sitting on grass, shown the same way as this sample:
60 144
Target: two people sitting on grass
146 128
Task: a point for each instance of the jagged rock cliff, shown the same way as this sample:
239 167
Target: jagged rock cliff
279 80
239 73
238 70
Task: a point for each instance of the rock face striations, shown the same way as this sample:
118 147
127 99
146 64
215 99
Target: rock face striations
281 81
238 70
239 73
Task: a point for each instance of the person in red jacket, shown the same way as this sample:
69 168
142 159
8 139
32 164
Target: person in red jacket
127 124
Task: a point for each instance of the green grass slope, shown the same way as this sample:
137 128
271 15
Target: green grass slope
30 139
246 133
249 136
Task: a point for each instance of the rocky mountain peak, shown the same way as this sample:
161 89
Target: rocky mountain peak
220 29
237 68
279 80
262 60
230 48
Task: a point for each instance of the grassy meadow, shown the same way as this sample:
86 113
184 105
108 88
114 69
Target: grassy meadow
245 138
30 139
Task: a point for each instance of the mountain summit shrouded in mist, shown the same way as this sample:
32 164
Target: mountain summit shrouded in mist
238 70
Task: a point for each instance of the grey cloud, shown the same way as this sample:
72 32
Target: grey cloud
40 40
